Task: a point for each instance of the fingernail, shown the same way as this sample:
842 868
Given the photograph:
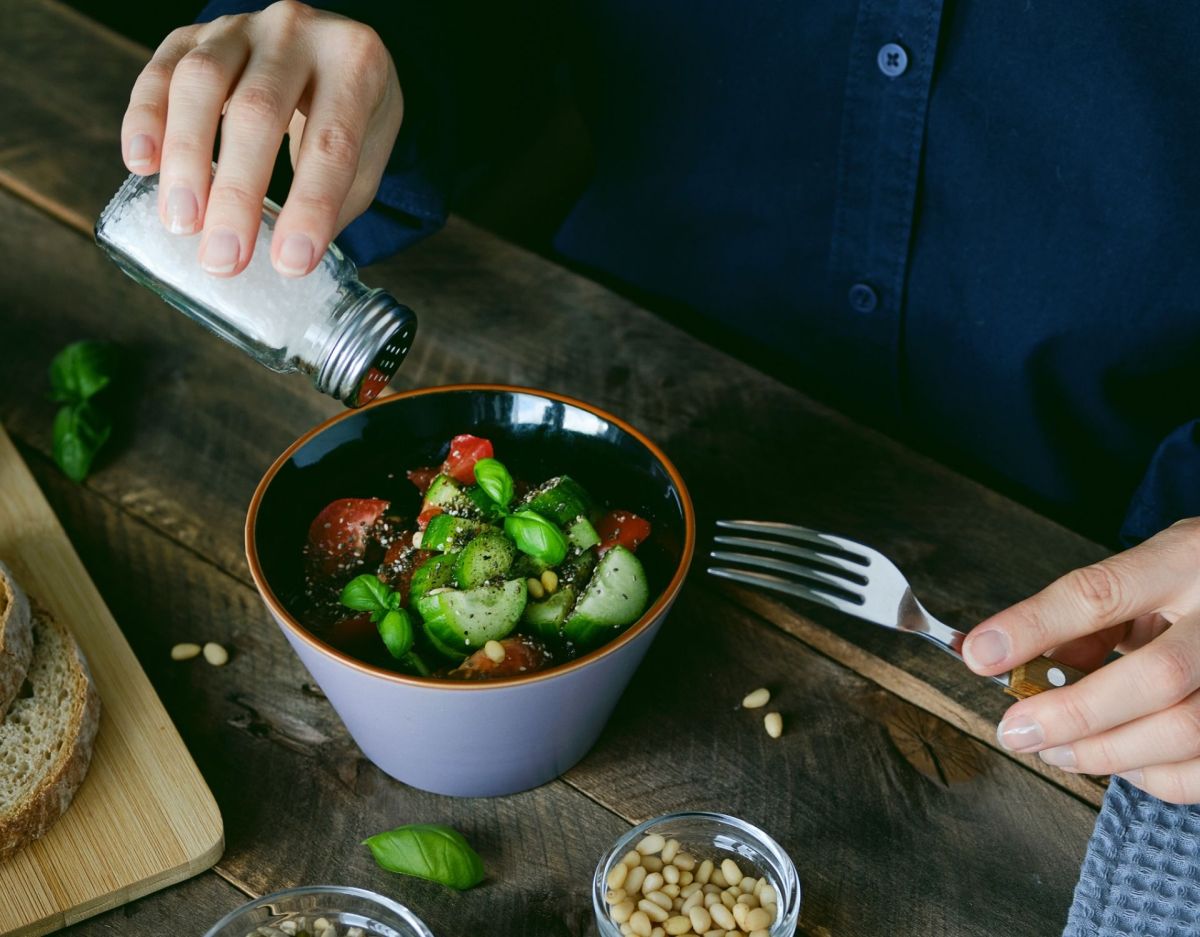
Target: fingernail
1020 733
295 254
987 648
1134 777
182 210
221 251
1061 756
141 151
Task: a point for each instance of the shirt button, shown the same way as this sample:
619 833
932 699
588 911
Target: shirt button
863 298
892 60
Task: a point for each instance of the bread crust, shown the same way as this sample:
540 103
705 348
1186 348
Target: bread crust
50 797
16 638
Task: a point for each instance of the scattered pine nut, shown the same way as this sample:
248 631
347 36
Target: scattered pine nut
774 724
418 538
494 651
651 844
550 581
756 699
184 651
215 654
536 591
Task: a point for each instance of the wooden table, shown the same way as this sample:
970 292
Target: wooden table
887 786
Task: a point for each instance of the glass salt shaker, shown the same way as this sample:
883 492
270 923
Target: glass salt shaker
347 337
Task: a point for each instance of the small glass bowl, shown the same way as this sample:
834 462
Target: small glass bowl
342 906
710 836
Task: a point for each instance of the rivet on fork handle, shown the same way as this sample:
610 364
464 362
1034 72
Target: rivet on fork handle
1039 675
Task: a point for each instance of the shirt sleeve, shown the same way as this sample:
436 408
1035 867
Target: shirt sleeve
1170 489
477 76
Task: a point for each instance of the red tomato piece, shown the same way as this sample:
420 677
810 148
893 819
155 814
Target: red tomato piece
624 528
427 515
465 451
422 477
338 536
522 654
350 631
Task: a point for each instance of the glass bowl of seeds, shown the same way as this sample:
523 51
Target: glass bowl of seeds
321 911
696 875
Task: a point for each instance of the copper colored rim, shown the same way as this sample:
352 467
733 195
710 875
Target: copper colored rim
660 604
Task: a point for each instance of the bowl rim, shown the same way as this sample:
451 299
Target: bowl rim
665 597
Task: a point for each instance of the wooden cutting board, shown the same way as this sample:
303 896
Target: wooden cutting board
144 817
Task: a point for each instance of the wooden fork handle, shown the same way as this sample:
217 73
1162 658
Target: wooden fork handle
1040 674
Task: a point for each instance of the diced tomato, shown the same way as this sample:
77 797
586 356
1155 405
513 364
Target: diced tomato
465 451
427 515
624 528
338 536
354 632
522 654
421 477
398 568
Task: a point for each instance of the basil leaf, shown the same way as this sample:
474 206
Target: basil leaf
79 431
494 479
397 632
81 370
366 593
429 851
538 537
490 510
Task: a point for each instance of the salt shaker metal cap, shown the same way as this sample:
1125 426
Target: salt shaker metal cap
348 338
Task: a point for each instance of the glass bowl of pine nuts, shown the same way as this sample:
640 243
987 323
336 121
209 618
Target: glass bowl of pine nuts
321 911
696 875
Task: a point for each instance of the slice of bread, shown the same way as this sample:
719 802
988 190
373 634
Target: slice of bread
46 739
16 638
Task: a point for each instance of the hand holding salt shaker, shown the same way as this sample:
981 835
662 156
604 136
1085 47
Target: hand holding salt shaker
348 338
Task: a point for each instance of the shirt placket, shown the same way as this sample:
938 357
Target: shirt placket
879 159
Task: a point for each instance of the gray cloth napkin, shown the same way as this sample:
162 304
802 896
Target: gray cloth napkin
1141 874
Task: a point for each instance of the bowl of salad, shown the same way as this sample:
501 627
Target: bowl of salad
471 574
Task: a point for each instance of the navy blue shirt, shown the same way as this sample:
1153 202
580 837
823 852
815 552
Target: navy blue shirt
977 221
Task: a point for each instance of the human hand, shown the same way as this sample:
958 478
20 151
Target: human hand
1138 716
327 81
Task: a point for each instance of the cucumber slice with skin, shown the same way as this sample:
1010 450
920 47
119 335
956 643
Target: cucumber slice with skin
615 597
581 534
445 532
528 567
561 500
467 619
487 556
544 619
437 572
445 493
577 569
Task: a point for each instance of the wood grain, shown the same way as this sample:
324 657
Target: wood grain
143 817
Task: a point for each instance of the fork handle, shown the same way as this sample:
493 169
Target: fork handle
1040 674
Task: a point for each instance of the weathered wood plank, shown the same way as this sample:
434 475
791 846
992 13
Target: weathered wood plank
189 907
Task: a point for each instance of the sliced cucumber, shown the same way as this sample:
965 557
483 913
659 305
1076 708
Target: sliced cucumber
581 534
577 569
467 619
615 597
487 556
437 572
445 493
446 532
528 567
561 500
545 618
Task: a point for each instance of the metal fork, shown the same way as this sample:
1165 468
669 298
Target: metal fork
857 580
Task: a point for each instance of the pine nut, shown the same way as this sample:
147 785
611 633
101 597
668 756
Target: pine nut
632 858
685 877
670 874
620 912
626 930
184 651
670 850
760 933
727 899
678 925
723 916
615 895
653 911
215 654
640 924
670 889
701 919
651 844
616 878
550 581
774 724
694 900
757 698
684 861
748 884
633 882
418 538
757 919
704 873
652 864
718 879
662 899
731 872
739 914
748 900
658 932
653 882
690 889
535 588
767 895
494 651
710 900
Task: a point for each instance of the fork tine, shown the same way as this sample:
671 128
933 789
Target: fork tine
853 572
795 532
816 576
787 586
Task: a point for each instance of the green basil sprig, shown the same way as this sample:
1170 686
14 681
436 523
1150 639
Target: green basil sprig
366 593
78 374
538 537
495 481
429 851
